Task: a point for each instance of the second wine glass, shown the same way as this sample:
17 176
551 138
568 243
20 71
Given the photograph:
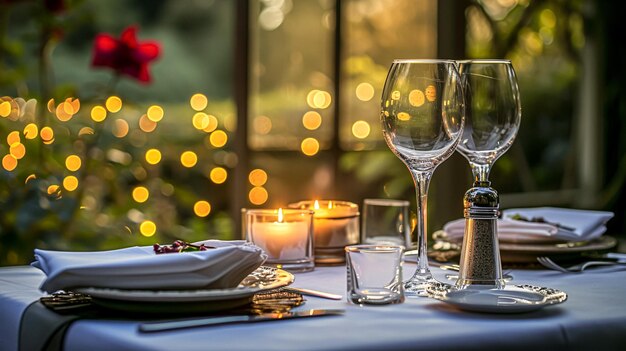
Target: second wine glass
493 113
422 117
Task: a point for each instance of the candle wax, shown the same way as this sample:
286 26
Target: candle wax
281 240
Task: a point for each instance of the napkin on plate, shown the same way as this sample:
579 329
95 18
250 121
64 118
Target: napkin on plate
140 268
564 225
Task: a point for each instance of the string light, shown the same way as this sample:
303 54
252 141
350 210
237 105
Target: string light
202 208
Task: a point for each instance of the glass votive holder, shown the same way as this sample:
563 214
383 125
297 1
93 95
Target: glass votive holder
286 236
336 225
374 274
386 221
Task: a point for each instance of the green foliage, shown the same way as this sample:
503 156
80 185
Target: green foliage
37 209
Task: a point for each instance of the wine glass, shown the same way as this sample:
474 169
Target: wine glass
422 116
493 113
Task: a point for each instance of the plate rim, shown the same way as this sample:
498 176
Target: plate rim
283 278
551 297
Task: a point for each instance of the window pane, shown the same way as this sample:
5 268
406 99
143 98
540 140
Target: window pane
375 33
292 95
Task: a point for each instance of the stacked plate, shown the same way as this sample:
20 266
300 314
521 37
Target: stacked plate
525 233
138 279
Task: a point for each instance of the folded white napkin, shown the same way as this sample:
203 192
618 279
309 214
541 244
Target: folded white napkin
140 268
581 225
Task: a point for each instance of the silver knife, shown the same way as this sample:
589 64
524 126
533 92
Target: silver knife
210 321
312 292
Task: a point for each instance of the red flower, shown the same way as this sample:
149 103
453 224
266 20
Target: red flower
125 55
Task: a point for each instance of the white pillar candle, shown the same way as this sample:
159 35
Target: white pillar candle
281 240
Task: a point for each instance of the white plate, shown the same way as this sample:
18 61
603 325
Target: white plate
264 278
510 299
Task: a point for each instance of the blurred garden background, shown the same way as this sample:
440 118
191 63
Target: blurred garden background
140 121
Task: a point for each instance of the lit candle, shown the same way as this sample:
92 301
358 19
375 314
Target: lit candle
330 222
336 225
281 239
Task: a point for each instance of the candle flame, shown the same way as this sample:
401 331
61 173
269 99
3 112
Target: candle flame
330 205
316 205
280 215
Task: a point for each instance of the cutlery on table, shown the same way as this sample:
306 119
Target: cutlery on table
151 327
311 292
577 268
506 275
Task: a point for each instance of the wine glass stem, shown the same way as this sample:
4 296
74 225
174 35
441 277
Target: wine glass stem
422 180
480 171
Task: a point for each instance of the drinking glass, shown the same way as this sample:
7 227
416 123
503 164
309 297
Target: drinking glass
492 113
386 221
374 274
422 116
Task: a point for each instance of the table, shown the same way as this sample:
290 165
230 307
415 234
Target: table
594 317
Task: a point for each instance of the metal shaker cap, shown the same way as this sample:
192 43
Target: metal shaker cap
481 201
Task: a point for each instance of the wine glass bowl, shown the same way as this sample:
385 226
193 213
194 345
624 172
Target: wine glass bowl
419 124
422 116
492 112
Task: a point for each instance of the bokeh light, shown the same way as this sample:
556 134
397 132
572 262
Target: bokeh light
202 208
64 111
311 120
147 228
70 183
86 131
98 113
271 18
113 104
141 194
29 178
310 146
318 99
262 125
50 106
17 150
200 120
9 162
416 98
431 93
257 177
13 137
31 131
258 195
53 189
5 109
155 113
188 159
548 18
212 124
198 102
322 99
403 116
73 163
46 134
218 175
146 124
395 95
218 138
361 129
75 104
153 156
364 92
120 128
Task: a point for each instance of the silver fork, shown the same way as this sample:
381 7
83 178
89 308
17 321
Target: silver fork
578 268
506 275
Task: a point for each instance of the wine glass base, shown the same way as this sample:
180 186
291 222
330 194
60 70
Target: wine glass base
417 285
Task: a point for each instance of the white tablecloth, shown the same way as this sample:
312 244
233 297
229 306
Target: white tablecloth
593 318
